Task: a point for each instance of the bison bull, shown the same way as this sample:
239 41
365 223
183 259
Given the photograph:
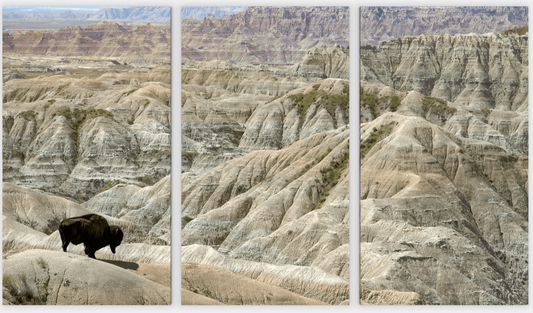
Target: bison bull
92 230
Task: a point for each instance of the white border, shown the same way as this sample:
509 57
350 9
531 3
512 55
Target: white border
354 149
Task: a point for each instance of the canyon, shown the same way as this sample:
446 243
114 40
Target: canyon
444 170
86 129
265 157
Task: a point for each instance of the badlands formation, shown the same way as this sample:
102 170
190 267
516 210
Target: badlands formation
265 161
269 35
444 170
86 129
380 24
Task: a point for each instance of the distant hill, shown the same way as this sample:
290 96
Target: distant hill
200 12
380 24
161 14
122 14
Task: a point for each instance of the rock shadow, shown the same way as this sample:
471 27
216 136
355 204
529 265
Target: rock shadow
125 265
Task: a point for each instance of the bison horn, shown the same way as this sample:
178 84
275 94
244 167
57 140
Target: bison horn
116 231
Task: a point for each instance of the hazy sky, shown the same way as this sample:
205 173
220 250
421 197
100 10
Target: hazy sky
36 9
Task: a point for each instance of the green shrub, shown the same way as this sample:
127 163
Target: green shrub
437 106
275 98
518 30
22 293
376 136
315 162
27 115
332 174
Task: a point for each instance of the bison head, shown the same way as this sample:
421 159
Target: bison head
116 237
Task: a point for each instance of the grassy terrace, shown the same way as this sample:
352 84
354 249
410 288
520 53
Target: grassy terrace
332 174
376 136
438 107
325 100
372 102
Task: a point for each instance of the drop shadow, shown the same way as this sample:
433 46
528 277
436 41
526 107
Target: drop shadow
126 265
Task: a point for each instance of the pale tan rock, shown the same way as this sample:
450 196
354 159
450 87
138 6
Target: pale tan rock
234 289
128 140
433 216
310 282
490 77
77 280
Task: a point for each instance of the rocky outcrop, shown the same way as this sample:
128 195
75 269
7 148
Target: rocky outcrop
233 289
380 24
487 71
440 210
53 278
308 282
294 190
264 34
333 61
149 207
302 112
144 44
78 136
143 213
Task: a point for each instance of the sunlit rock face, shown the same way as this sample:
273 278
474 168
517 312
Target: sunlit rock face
264 34
487 71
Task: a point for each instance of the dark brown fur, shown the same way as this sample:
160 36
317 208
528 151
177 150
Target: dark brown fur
92 230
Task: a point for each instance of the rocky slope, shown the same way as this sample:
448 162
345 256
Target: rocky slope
379 24
82 136
48 277
264 34
332 61
487 71
233 289
223 105
36 270
444 200
143 44
302 191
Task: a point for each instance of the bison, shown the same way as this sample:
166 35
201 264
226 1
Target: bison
91 229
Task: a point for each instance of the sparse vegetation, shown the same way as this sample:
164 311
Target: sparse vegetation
331 102
438 107
376 136
49 103
42 263
189 154
109 184
309 166
127 93
486 112
518 31
303 102
332 173
77 117
372 102
27 115
21 293
147 180
369 101
276 97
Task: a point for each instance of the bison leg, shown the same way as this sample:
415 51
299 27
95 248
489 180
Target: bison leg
90 252
64 241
